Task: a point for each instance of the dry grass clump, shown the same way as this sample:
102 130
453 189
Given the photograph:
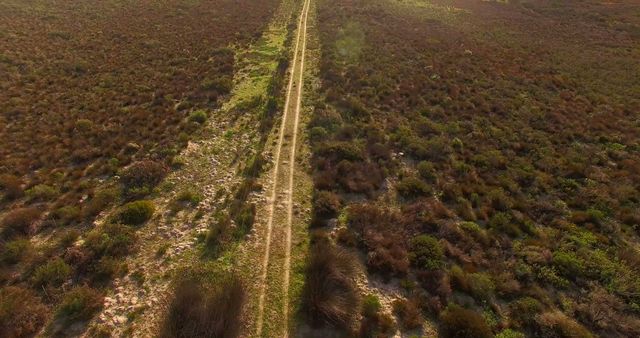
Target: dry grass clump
203 310
330 296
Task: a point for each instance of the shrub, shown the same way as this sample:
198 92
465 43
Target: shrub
503 223
11 187
136 213
79 304
317 134
481 285
508 333
66 214
426 170
142 176
244 218
524 310
189 196
110 239
370 305
326 204
557 324
330 294
222 85
409 313
53 273
458 322
15 250
107 268
568 264
201 310
198 116
42 192
19 221
426 253
100 201
22 313
412 187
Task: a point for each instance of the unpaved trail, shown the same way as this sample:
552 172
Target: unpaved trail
283 184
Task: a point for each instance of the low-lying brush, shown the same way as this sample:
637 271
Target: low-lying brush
202 310
136 213
22 313
330 296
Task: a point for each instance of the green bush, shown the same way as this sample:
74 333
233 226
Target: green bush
502 222
79 304
189 196
53 273
66 214
100 201
198 116
222 85
42 192
326 204
481 285
317 134
426 253
524 310
370 305
412 187
569 265
458 322
110 239
136 213
22 313
508 333
426 170
15 250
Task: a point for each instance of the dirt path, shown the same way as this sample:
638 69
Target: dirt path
283 184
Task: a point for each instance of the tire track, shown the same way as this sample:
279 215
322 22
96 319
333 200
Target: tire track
295 82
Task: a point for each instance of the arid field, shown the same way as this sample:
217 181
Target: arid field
320 168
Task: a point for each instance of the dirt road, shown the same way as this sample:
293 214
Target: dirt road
277 248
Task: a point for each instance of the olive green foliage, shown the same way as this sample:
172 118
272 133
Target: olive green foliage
426 253
136 213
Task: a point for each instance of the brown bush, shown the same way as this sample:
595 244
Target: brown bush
329 296
458 322
409 313
22 313
143 175
19 221
11 187
198 310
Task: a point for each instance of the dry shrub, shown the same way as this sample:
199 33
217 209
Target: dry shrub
383 237
408 311
555 324
330 295
458 322
19 221
203 310
79 304
11 187
21 312
140 177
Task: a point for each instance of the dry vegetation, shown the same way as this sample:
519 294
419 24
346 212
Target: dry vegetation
485 155
96 99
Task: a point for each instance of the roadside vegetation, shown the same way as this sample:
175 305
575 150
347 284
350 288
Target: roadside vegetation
483 158
93 114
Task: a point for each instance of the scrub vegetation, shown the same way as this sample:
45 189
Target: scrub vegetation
483 156
96 101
